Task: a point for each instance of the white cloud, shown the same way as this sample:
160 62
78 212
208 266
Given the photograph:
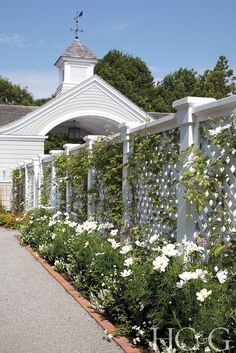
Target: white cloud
41 83
16 40
120 27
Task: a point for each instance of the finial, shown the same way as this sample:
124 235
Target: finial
77 29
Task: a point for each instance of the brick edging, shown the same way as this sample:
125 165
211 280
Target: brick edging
122 341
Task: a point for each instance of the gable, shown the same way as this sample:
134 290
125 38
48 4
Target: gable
93 98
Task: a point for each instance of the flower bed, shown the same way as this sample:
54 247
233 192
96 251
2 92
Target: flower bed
148 287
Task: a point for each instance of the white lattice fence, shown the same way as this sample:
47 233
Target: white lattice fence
220 210
156 195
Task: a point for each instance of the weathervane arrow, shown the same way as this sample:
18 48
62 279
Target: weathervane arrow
77 29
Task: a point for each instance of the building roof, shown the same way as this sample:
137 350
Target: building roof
78 50
10 113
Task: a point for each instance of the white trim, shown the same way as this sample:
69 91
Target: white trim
82 115
219 105
22 138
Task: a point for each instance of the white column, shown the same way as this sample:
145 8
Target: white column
54 188
91 173
42 158
68 186
36 183
124 129
26 185
188 137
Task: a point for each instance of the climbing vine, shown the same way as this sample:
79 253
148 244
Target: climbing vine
73 169
209 178
153 178
18 199
45 186
107 159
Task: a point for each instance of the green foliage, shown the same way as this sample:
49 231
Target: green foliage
216 83
74 170
130 75
14 94
127 283
151 165
107 160
11 220
45 186
18 197
56 140
175 86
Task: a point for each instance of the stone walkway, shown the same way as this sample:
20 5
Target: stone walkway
36 314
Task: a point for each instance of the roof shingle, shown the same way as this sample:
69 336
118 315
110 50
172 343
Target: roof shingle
78 50
10 113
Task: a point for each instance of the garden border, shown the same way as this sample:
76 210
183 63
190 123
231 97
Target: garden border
123 342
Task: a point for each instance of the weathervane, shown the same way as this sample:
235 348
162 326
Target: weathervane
77 29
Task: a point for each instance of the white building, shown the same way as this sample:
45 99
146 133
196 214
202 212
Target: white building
82 98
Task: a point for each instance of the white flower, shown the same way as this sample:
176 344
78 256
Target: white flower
140 244
169 250
53 236
88 226
141 307
187 275
106 225
141 332
160 263
153 238
113 232
126 273
180 284
125 249
203 294
153 346
136 340
218 130
201 274
129 262
207 349
113 243
222 276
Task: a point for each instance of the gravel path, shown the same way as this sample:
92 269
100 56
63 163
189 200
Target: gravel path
36 313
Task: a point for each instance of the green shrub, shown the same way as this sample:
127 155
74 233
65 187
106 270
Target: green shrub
140 284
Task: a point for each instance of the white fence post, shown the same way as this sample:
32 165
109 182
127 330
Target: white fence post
125 138
41 157
26 185
188 136
36 183
67 147
91 172
54 186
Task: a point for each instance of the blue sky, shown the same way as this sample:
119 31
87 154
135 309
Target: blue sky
166 34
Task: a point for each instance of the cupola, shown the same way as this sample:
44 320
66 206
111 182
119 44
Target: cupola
75 65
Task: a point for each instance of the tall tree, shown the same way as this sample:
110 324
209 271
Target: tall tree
176 85
14 94
216 83
130 75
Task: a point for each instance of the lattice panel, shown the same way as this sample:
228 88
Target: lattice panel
222 206
157 192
